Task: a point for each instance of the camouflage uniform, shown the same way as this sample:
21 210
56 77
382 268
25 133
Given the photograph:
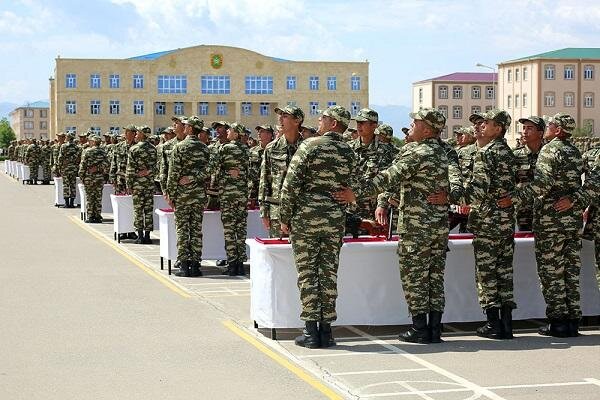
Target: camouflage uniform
118 164
93 166
54 159
46 160
140 157
11 151
33 159
69 157
164 160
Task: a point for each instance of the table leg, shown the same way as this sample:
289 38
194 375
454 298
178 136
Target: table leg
273 334
169 265
255 325
162 264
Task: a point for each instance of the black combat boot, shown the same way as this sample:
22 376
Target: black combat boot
195 269
241 271
184 269
147 239
232 268
68 202
221 263
493 328
325 334
132 235
573 327
310 336
556 327
140 237
506 321
418 332
435 326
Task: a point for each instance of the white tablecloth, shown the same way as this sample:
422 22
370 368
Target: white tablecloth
23 172
122 206
107 190
370 292
59 199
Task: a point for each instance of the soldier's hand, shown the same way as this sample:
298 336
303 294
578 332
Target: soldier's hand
184 180
438 198
381 215
285 228
344 196
234 172
266 223
563 204
505 202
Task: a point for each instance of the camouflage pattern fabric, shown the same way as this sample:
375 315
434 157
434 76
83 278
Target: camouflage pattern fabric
256 154
69 157
592 227
213 168
54 160
93 166
118 167
142 157
33 159
11 152
320 166
526 161
46 159
164 159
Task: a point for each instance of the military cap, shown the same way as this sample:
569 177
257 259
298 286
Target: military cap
71 135
405 130
219 123
562 120
95 138
385 130
347 136
131 128
239 128
537 121
366 114
168 129
500 117
177 118
206 129
351 130
194 121
432 117
338 113
145 129
468 130
310 128
107 133
294 111
475 117
61 134
265 127
86 133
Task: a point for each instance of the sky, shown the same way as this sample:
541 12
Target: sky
404 41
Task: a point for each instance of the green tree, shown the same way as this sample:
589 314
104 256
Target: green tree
6 133
584 131
397 141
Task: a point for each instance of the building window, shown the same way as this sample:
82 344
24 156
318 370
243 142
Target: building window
43 113
71 107
331 83
95 81
221 108
71 129
588 124
114 106
588 100
313 83
259 85
549 71
569 72
457 112
95 130
114 130
508 101
28 124
313 107
475 109
160 108
489 108
246 108
203 108
265 109
457 92
524 97
508 75
138 107
525 73
355 83
569 99
331 104
178 108
354 108
443 92
172 84
549 99
28 113
588 72
95 107
443 110
476 92
43 125
516 74
420 95
114 81
138 81
291 83
71 81
490 93
444 134
516 101
215 84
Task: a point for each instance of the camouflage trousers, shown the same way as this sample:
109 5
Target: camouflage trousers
494 270
234 217
275 229
69 184
46 172
143 209
212 202
93 197
33 171
559 265
422 262
366 208
317 261
188 222
524 216
120 185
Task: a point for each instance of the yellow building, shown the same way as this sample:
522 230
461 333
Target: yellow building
30 120
547 83
213 82
457 96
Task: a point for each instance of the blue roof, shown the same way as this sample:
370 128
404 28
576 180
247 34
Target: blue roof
152 56
279 59
37 104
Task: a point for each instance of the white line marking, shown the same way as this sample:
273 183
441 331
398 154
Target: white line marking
347 354
593 381
381 371
224 281
451 328
415 391
225 291
536 385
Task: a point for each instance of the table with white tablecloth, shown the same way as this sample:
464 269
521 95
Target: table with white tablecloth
107 190
370 291
59 199
122 206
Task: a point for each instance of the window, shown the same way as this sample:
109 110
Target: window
313 107
475 109
508 75
43 113
443 110
71 107
516 74
246 108
524 98
525 73
28 113
138 107
354 108
114 81
259 85
420 95
71 129
114 130
178 108
331 104
114 106
490 93
588 124
265 109
43 124
172 84
443 92
508 101
291 83
549 71
569 72
203 108
476 92
457 112
215 84
331 83
355 82
160 108
457 92
95 81
28 124
221 108
138 81
588 72
444 134
588 100
95 107
516 101
549 99
313 83
71 81
488 108
569 99
95 130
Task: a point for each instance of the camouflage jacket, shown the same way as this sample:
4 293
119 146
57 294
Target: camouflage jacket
321 166
466 159
164 161
11 152
141 156
372 158
46 157
69 157
233 155
54 157
256 154
189 157
94 157
118 162
33 155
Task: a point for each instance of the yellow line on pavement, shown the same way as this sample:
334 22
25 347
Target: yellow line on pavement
165 281
299 372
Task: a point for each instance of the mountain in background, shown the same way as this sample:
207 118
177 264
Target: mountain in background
6 108
396 116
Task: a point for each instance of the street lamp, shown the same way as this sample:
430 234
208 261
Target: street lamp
493 79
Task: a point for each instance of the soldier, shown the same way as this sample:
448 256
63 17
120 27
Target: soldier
171 138
232 173
33 159
265 136
185 193
315 221
220 128
308 132
69 157
118 164
385 133
11 150
60 139
204 136
46 158
94 165
141 166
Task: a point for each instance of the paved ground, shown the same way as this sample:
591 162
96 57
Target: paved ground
101 320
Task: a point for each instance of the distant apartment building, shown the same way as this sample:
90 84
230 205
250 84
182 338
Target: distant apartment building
31 120
213 82
457 96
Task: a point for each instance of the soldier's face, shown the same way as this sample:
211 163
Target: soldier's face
366 129
178 126
288 122
129 136
325 124
265 137
551 131
231 134
222 131
530 133
490 129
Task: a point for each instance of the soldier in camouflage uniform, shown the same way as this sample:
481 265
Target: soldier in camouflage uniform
385 133
94 165
232 164
185 192
33 159
265 136
118 163
220 128
591 229
60 139
276 159
69 158
316 221
46 158
11 150
141 168
163 151
557 222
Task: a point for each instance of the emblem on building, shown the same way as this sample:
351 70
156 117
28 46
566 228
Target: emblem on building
216 60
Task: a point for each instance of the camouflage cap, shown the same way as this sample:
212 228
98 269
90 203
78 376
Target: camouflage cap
537 121
194 121
432 117
312 129
206 129
71 135
366 114
177 118
131 127
95 138
562 120
294 111
219 123
500 117
265 127
239 128
351 130
405 130
86 133
338 113
347 136
61 134
107 133
385 130
168 129
469 130
145 129
475 117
